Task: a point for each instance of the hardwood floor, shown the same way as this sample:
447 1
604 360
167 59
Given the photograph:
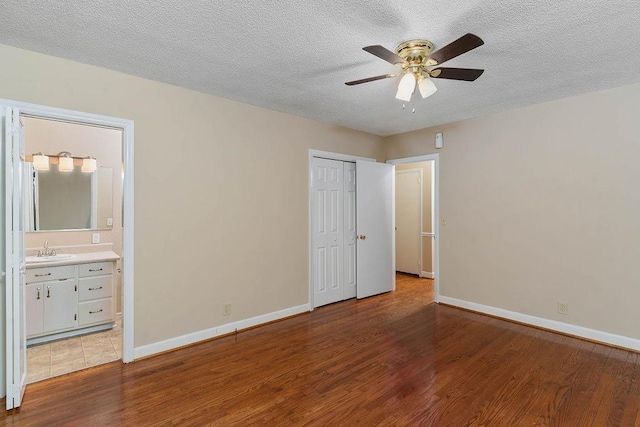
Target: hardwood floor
395 359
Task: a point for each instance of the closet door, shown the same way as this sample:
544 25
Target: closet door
327 219
350 236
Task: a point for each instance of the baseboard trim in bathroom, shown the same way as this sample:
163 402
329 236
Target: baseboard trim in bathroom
69 334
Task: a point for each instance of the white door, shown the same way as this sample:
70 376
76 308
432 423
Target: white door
408 220
14 262
350 235
375 225
327 234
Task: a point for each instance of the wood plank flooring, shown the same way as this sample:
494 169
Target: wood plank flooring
395 359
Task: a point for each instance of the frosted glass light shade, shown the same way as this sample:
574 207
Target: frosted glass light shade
406 87
89 164
65 164
427 88
40 162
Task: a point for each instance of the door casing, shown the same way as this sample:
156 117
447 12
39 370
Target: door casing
436 211
127 127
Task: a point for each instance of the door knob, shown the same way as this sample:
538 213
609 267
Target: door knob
362 237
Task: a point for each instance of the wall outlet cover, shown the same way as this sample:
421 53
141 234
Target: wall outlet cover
95 238
563 308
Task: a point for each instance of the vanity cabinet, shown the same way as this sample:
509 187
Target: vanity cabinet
51 300
96 292
68 297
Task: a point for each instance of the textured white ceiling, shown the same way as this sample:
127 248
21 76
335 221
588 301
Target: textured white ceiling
294 56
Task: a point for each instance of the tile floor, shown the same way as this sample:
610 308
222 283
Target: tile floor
72 354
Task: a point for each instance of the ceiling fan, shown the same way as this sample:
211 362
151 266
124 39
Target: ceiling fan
416 60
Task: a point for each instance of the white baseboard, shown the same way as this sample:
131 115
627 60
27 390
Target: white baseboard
206 334
427 274
554 325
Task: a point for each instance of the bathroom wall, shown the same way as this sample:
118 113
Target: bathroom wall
221 191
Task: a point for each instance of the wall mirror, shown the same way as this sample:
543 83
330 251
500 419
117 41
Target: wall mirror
60 201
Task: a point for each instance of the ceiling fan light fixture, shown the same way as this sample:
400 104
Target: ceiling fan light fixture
406 87
427 88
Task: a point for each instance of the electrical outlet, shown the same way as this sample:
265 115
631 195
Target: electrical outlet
443 222
95 238
226 310
563 308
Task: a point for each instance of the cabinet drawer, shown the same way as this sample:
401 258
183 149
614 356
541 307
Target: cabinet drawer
44 274
94 287
95 269
95 311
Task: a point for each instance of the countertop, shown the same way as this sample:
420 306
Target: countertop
82 258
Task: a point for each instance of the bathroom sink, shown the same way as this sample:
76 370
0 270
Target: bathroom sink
51 258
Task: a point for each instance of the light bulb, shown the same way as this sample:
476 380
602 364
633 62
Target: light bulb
65 164
427 88
89 164
406 87
40 162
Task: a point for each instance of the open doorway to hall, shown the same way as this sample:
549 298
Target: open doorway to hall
414 212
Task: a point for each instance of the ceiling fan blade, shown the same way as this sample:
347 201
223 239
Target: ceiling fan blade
370 79
462 45
384 53
466 74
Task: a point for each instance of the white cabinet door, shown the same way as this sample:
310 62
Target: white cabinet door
60 305
35 309
375 218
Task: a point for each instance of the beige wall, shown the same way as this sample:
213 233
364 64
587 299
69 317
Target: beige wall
427 242
541 205
221 191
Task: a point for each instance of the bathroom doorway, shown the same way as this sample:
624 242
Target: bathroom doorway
73 225
68 262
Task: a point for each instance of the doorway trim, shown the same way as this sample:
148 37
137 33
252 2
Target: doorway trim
331 156
436 212
127 127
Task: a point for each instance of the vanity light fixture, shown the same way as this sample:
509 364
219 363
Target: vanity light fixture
89 164
65 162
40 162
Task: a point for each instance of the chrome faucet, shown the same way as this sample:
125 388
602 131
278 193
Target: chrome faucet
46 251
